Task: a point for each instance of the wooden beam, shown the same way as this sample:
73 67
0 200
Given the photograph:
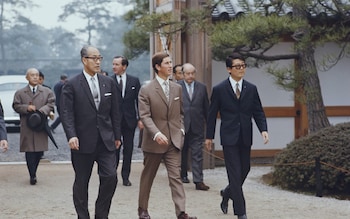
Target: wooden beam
338 110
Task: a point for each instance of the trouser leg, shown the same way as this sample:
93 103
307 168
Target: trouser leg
33 160
128 148
82 165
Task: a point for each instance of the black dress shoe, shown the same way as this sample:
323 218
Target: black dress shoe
185 179
32 180
224 202
126 183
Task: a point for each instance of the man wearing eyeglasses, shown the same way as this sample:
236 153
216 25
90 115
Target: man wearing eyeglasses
238 102
91 120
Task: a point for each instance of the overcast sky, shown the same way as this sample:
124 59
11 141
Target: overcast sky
47 12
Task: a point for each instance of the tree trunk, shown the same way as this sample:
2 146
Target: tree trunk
307 72
317 118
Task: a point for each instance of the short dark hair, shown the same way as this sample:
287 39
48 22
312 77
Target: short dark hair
231 57
41 74
124 60
84 51
174 68
63 77
157 59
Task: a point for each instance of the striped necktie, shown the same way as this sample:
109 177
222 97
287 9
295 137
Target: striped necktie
238 92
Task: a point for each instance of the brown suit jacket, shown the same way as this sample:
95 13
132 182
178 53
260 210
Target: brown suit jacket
159 115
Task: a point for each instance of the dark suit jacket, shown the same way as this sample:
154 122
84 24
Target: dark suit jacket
236 115
3 133
129 103
195 110
58 89
81 119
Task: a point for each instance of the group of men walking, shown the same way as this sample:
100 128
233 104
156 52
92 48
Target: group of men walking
99 115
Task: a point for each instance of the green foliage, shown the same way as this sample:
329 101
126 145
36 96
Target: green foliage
136 40
294 167
136 43
253 32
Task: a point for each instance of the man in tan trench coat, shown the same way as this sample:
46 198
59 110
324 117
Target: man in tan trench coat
31 98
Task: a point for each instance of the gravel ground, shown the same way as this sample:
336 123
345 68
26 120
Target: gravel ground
52 198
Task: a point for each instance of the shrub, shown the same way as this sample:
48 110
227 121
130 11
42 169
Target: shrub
294 166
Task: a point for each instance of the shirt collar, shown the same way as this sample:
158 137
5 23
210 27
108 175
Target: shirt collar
233 83
161 80
35 87
88 77
123 76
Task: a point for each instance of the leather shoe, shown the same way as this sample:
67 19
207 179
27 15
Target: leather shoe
224 202
202 186
242 216
32 180
143 214
185 179
126 183
183 215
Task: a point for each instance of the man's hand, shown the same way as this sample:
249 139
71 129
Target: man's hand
209 144
265 136
162 139
31 108
117 143
74 143
140 124
3 145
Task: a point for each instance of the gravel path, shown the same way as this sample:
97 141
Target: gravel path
52 197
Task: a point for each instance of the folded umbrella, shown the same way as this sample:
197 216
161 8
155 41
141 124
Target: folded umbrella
49 133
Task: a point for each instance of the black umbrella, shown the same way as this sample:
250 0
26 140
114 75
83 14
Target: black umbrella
38 121
49 133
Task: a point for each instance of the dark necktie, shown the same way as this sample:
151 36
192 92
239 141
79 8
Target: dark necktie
121 84
33 90
238 92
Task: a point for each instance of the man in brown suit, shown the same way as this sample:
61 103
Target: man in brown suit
31 98
160 108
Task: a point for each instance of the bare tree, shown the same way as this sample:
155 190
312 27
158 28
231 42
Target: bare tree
94 12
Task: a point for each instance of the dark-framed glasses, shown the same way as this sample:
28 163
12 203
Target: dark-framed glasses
95 58
239 66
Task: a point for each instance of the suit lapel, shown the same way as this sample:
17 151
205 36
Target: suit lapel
195 90
244 89
101 87
230 90
184 88
160 91
86 88
127 85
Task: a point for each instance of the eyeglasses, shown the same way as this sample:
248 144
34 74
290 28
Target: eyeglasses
239 66
95 58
